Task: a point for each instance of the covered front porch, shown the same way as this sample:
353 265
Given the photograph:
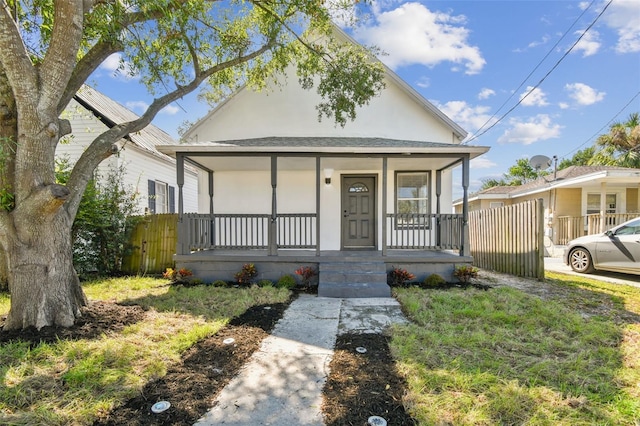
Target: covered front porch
280 206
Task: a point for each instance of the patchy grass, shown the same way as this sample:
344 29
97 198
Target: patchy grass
506 357
73 381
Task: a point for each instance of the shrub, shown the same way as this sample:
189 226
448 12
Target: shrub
265 283
399 277
176 274
219 283
306 273
104 222
246 274
286 281
434 280
465 273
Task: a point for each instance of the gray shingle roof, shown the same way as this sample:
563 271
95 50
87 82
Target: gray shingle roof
327 142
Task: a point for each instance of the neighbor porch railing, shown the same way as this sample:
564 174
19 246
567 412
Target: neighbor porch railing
570 227
424 231
248 231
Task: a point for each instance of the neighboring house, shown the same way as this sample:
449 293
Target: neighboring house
286 190
147 171
578 200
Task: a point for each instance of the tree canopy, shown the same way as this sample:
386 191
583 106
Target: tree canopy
620 146
48 50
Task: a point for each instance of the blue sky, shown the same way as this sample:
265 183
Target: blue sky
476 60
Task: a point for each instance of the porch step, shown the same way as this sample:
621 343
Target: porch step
353 279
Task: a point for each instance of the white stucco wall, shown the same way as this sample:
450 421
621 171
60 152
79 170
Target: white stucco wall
140 165
290 111
249 192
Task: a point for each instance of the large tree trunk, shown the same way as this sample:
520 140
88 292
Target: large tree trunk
45 290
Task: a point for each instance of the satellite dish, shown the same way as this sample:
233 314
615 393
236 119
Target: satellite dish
540 162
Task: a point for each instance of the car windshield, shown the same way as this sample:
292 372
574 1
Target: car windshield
630 228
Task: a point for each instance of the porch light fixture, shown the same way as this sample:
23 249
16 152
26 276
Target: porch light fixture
327 176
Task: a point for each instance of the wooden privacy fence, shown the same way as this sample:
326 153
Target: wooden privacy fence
509 239
154 244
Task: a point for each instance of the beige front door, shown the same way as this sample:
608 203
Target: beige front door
359 212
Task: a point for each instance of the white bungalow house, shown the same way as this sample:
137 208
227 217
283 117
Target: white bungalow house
147 171
578 200
286 190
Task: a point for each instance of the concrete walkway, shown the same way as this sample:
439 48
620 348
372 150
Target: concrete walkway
282 382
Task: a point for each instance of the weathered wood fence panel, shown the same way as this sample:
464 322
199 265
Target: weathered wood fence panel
509 239
154 240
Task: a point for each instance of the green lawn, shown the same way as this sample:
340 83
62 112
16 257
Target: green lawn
504 357
71 382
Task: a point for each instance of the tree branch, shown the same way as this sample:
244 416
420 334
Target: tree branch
60 59
14 57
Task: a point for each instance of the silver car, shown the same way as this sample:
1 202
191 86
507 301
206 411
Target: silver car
616 250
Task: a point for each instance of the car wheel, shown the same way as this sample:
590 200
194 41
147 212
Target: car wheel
580 260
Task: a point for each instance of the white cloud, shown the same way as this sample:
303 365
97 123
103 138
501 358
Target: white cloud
117 68
589 44
624 17
481 163
583 94
486 93
534 97
413 34
170 110
534 129
467 116
563 105
423 82
137 106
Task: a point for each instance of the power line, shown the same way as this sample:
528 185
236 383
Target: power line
543 78
536 67
603 127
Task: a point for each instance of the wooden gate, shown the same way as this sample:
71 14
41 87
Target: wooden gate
509 239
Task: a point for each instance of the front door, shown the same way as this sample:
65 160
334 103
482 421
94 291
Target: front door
359 212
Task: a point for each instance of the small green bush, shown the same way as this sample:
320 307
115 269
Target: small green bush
286 281
219 283
434 280
265 283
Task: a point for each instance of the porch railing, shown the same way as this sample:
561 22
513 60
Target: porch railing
570 227
248 231
298 230
424 231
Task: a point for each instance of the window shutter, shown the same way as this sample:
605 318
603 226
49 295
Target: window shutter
152 196
172 199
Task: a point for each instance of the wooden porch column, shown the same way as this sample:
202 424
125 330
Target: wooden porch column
182 247
603 205
273 223
384 206
465 207
438 193
210 192
317 206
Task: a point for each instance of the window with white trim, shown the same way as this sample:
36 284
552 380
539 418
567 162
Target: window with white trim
161 197
412 198
496 204
593 203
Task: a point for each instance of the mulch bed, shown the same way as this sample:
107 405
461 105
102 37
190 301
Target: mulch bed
362 385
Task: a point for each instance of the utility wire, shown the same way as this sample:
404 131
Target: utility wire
603 127
543 78
534 69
